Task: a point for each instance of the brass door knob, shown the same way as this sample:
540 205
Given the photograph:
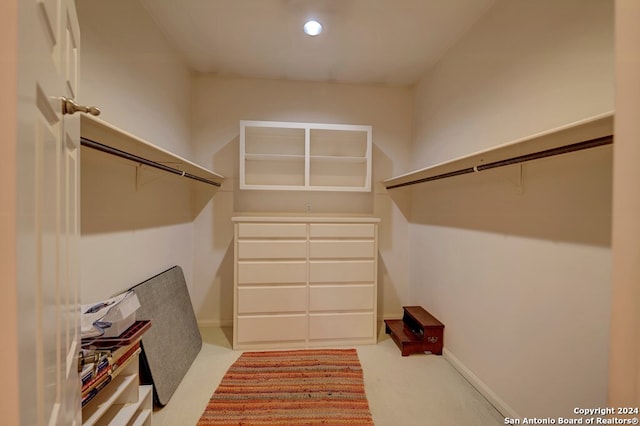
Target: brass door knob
70 107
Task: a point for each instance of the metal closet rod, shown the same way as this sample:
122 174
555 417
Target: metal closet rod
114 151
591 143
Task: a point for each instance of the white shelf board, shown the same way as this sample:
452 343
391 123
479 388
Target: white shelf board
296 157
590 128
332 188
105 400
122 414
297 218
143 418
97 130
337 159
274 157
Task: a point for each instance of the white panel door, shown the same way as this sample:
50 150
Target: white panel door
48 213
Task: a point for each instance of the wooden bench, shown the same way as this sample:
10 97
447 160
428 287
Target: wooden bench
418 331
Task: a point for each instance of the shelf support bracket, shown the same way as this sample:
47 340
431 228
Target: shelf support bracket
142 161
520 183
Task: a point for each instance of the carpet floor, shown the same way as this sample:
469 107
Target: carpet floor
299 387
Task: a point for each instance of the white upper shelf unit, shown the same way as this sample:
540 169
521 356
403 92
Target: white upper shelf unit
305 156
102 136
588 133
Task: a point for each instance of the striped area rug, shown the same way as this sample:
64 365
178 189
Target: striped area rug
301 387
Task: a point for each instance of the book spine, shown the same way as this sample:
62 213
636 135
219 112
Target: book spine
108 369
124 357
95 391
104 383
91 384
87 376
94 370
89 397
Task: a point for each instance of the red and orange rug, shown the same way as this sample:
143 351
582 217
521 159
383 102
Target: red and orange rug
300 387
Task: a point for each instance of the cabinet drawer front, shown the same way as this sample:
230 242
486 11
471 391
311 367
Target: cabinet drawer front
272 272
341 298
272 230
284 328
342 230
341 326
341 271
271 300
342 249
272 249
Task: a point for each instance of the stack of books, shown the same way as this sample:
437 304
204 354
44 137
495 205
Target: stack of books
107 357
97 375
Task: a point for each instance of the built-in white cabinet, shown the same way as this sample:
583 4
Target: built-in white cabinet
305 156
304 281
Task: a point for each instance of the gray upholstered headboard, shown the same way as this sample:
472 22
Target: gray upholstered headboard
173 341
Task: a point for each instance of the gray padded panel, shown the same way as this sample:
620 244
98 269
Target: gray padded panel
173 341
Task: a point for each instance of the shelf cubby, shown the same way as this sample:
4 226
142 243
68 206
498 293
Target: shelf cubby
305 156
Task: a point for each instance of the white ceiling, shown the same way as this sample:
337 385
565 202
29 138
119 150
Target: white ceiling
364 41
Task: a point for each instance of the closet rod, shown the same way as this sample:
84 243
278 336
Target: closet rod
114 151
591 143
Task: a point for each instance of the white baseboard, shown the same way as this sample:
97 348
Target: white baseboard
482 387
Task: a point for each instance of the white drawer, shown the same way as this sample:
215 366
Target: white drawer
320 249
341 298
272 249
341 326
342 230
254 300
272 272
341 271
285 328
272 230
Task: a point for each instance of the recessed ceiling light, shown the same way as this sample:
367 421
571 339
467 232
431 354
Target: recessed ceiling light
312 28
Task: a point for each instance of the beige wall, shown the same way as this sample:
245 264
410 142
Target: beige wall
519 276
521 280
524 68
9 404
133 74
220 103
526 306
132 231
624 378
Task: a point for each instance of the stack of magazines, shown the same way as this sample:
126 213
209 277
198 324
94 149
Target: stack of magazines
102 366
103 358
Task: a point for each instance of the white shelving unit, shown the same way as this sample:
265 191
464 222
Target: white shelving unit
580 132
305 156
103 134
123 401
